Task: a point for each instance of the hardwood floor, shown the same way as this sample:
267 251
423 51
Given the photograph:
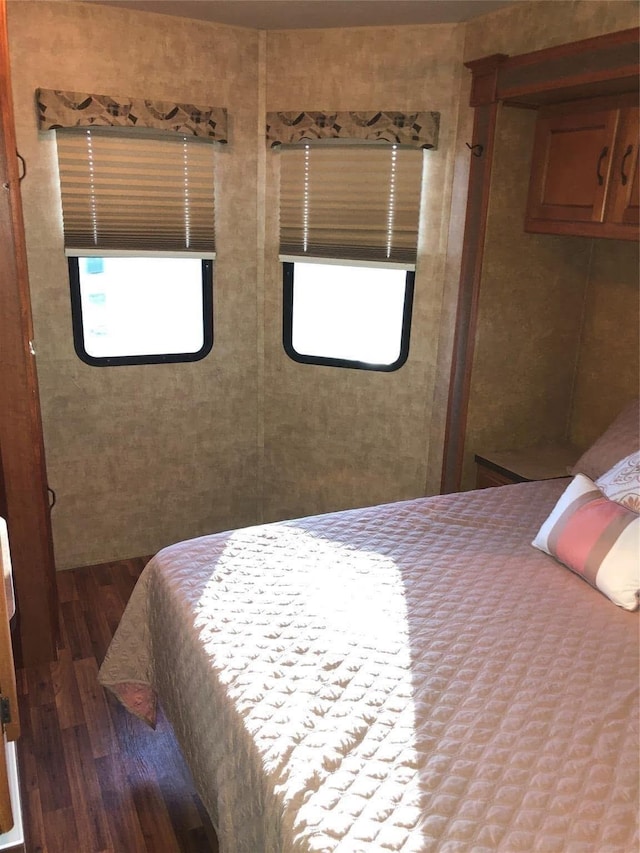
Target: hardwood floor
94 778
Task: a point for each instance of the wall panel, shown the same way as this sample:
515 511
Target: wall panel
337 438
608 369
142 456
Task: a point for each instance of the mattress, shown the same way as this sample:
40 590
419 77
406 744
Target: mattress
406 677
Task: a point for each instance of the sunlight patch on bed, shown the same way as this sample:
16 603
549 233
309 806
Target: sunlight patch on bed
297 582
319 677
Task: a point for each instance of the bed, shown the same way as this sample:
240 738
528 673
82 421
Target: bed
406 677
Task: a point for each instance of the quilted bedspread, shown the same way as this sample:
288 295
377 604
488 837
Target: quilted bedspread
407 677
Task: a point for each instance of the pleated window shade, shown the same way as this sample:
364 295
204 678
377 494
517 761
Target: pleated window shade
122 193
357 203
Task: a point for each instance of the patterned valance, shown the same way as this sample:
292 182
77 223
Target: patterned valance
419 129
58 109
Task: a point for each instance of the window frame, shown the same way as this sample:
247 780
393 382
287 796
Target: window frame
77 322
328 361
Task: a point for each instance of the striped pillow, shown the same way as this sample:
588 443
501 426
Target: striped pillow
597 538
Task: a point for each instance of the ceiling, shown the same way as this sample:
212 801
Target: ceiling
304 14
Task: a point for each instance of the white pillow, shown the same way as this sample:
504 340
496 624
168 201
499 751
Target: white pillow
597 539
622 482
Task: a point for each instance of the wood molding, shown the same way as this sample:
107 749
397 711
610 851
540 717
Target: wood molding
602 65
21 443
484 125
587 63
484 82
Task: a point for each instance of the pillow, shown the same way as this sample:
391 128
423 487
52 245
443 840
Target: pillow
619 440
597 538
622 482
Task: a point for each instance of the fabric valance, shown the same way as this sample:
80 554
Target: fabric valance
415 129
58 109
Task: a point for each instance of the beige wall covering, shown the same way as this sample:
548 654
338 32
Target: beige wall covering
530 312
608 367
337 438
143 456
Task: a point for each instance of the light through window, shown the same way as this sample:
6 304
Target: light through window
141 310
347 315
139 233
349 219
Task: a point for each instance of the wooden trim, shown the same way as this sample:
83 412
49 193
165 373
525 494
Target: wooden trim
575 65
602 65
489 478
485 78
582 229
508 475
607 64
484 126
21 442
590 105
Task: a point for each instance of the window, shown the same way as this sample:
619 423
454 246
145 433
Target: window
347 316
129 310
139 233
348 234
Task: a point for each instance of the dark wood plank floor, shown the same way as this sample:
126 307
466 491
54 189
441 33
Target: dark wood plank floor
94 778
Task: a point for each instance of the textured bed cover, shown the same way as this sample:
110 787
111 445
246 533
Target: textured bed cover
408 677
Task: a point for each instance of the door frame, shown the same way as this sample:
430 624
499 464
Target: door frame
23 477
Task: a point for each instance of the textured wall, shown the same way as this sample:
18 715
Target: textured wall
556 314
608 370
142 456
334 437
530 312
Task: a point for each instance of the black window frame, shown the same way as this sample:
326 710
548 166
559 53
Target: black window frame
302 358
161 358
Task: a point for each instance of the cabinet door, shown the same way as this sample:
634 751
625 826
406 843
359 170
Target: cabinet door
572 159
624 194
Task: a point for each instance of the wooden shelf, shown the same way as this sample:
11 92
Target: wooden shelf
539 462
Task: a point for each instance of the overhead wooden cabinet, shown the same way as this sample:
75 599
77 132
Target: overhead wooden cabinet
584 170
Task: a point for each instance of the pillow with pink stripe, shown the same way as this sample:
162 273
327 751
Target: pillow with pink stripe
597 538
